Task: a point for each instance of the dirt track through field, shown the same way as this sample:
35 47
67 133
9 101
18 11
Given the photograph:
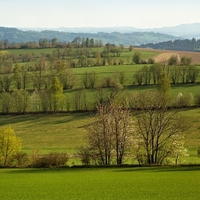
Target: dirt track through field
164 56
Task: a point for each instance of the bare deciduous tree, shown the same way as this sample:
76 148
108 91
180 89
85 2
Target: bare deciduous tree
110 137
157 127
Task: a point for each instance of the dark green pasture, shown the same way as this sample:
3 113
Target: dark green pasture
152 183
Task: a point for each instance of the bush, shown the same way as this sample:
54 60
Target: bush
184 100
20 159
107 82
52 159
84 155
151 61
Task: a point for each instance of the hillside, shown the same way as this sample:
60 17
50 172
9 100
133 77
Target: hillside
182 45
134 38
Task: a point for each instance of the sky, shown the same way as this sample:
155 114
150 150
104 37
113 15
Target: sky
98 13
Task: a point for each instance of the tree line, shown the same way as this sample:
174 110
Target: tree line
51 43
178 44
75 54
152 135
178 71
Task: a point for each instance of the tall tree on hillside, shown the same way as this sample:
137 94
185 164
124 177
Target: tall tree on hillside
159 129
137 57
54 42
10 145
18 76
56 91
164 86
5 43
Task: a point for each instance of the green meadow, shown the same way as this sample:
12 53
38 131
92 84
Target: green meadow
149 183
65 132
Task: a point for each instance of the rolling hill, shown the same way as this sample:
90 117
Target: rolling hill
133 38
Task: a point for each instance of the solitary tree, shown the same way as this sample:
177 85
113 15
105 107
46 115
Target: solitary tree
10 145
173 60
164 84
137 57
56 91
18 76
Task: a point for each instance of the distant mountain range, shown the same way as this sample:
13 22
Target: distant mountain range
183 30
117 35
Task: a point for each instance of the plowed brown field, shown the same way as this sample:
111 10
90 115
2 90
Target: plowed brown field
164 55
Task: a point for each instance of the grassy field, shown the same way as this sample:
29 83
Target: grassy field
34 51
65 132
153 183
49 132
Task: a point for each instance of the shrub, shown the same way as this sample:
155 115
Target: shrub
52 159
151 61
107 82
84 155
20 159
184 100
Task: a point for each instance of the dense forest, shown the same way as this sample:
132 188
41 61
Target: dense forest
14 35
183 45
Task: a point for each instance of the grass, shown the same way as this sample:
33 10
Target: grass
114 183
65 132
37 51
48 132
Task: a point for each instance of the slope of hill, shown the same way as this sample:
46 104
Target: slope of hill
183 45
135 38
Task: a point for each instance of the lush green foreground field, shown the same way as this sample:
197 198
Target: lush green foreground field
163 183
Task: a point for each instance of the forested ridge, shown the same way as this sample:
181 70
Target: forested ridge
183 45
14 35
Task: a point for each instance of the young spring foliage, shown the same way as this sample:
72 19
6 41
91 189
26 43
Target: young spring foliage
10 144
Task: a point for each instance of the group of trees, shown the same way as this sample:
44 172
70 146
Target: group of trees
183 45
151 135
178 72
73 57
51 43
137 58
36 76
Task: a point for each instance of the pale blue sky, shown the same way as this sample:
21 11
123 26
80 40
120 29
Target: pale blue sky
98 13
